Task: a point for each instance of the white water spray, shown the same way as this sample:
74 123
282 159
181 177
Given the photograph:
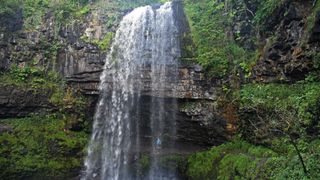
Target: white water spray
147 38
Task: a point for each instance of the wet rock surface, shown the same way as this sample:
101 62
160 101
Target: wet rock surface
72 52
200 122
315 34
20 102
285 56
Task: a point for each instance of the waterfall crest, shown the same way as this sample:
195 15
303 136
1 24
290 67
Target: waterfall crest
144 54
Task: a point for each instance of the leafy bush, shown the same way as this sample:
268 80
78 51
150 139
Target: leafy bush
215 50
241 160
237 159
24 74
103 44
127 4
72 107
144 163
207 31
33 12
9 7
39 145
288 165
63 10
31 77
302 97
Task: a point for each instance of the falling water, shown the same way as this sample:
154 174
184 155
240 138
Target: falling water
143 58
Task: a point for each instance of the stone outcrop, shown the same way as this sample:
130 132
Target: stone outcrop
19 102
285 42
284 57
200 122
83 64
73 51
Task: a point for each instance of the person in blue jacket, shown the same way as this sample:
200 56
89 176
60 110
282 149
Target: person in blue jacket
158 142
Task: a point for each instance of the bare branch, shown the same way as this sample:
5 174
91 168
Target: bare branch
250 12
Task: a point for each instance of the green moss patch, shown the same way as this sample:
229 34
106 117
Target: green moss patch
40 145
302 97
31 77
241 160
103 44
210 23
232 160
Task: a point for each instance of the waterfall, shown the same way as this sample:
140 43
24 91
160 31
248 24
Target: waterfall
143 58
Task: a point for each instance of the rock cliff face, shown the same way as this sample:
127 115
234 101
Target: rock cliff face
73 51
286 40
208 112
20 102
76 53
82 63
287 43
285 55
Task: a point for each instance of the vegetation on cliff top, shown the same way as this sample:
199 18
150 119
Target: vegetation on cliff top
215 48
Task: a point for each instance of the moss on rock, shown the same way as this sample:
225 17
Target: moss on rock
40 146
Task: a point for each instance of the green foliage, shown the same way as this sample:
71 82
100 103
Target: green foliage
243 58
201 165
236 159
144 163
125 4
314 76
241 165
83 11
207 31
50 50
105 43
9 7
241 160
210 22
33 12
31 77
72 106
24 74
63 10
300 97
265 10
288 165
39 145
316 61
